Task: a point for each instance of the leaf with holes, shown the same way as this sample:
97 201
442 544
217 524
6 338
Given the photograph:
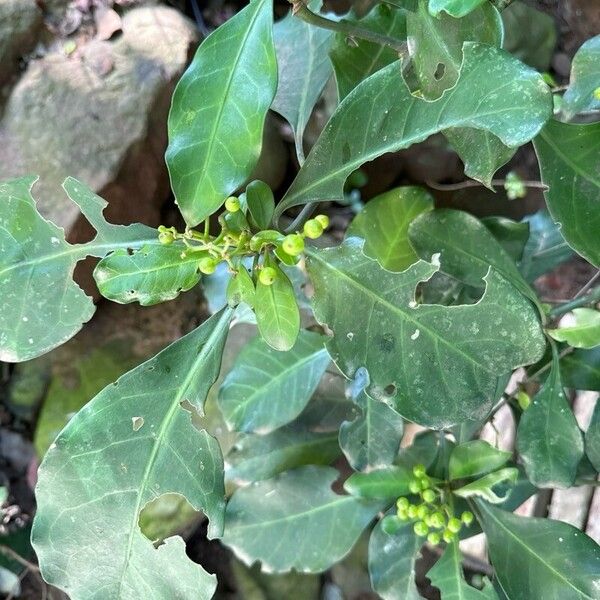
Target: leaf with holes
568 156
295 521
267 388
380 115
218 112
133 442
383 224
42 306
582 94
397 340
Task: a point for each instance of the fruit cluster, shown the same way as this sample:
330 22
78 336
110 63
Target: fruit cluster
238 239
432 512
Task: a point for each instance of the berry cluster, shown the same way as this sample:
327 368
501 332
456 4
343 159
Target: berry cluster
433 512
237 240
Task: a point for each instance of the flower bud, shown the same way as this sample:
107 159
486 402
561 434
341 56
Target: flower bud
232 204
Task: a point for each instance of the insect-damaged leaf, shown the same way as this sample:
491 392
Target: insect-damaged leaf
437 365
133 442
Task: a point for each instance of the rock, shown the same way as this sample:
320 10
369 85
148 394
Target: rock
99 115
20 24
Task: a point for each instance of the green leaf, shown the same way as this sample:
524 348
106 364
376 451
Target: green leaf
474 458
41 305
150 275
372 439
277 313
302 74
585 80
266 388
467 248
484 487
447 575
261 203
548 438
218 112
383 224
568 156
534 44
381 115
384 484
397 340
354 62
424 450
256 457
511 235
583 333
555 559
392 561
580 370
455 8
133 442
295 521
592 438
545 249
241 288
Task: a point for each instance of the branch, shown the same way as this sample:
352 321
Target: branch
590 298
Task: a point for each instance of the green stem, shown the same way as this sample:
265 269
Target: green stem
300 10
591 298
305 213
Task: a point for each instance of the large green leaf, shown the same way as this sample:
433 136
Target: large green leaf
568 156
219 109
466 246
580 369
266 388
354 62
256 457
592 438
380 115
302 73
133 442
392 563
383 224
447 575
387 483
583 333
373 438
555 560
295 521
474 458
150 275
585 80
456 8
548 439
41 305
397 340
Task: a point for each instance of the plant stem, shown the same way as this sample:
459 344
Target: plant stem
591 298
451 187
300 10
305 213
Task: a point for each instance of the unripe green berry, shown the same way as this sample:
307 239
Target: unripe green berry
166 238
437 520
402 514
207 265
448 536
232 204
414 486
429 495
412 511
313 229
454 525
293 244
267 275
434 538
402 503
425 482
419 471
323 220
467 517
421 529
422 511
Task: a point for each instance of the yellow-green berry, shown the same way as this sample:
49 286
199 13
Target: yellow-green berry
323 220
402 514
232 204
523 399
419 471
412 511
403 503
448 536
313 229
434 538
422 511
454 525
267 275
425 482
207 265
421 529
437 520
597 93
467 517
293 244
166 237
414 486
429 495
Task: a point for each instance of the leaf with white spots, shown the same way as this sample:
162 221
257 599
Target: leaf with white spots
132 443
